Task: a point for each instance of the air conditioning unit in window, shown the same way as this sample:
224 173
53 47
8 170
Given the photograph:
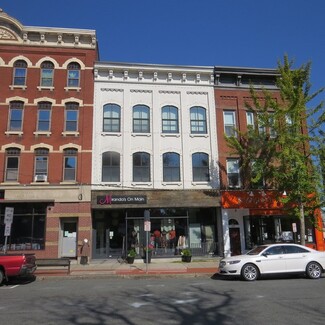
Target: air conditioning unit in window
40 178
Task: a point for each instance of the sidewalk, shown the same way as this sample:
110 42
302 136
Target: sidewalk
114 267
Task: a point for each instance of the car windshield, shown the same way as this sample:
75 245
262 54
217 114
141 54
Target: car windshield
256 250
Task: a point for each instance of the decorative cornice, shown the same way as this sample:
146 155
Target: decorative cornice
111 89
169 92
140 91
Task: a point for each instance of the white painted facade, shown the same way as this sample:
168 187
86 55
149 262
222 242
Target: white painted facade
155 86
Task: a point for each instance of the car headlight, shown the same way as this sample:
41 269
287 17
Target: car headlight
234 262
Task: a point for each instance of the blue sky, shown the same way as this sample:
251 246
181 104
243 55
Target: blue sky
248 33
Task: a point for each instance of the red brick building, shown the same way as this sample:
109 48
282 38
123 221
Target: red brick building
46 103
249 216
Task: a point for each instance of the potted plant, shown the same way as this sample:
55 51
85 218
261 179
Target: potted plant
148 249
131 255
186 255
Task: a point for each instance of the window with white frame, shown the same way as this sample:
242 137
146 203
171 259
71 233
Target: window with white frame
171 167
141 167
198 120
71 117
47 73
233 175
73 75
16 110
44 116
272 130
229 123
41 164
20 73
110 166
200 165
70 164
261 124
12 164
250 120
170 119
111 118
141 119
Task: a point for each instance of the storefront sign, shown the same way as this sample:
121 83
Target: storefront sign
121 199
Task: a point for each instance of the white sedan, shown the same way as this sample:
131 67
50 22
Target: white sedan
273 259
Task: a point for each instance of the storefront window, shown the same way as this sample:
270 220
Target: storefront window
28 227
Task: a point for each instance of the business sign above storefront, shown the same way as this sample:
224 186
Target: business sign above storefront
121 199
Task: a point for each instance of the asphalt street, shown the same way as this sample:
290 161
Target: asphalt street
163 300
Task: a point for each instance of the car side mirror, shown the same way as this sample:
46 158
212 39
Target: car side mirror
265 254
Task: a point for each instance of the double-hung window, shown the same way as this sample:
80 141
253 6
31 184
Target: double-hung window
171 167
44 117
20 73
71 117
229 123
47 72
16 116
250 120
41 164
141 119
111 118
200 165
170 119
233 173
110 166
198 120
70 164
73 75
12 164
141 167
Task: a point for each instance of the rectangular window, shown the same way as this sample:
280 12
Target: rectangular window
233 173
71 120
16 116
229 123
44 116
250 120
47 78
70 164
12 165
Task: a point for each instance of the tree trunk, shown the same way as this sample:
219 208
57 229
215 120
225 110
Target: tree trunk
302 224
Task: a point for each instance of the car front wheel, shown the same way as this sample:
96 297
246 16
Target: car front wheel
314 270
2 277
250 272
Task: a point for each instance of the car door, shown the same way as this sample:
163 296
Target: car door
296 258
272 260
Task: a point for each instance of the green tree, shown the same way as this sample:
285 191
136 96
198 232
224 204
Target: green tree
276 152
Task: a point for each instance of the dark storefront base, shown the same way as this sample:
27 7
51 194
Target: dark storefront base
115 231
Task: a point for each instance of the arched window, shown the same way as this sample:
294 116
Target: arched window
141 119
20 73
12 164
200 165
141 167
110 166
47 72
170 119
73 75
111 118
171 167
198 120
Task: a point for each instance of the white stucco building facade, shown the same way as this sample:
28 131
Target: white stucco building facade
154 149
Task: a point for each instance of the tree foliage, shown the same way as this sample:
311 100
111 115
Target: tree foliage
276 152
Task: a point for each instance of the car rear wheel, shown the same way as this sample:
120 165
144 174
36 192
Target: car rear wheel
314 270
250 272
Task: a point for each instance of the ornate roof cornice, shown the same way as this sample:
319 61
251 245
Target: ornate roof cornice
12 32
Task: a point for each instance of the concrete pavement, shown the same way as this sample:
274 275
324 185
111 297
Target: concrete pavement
118 267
